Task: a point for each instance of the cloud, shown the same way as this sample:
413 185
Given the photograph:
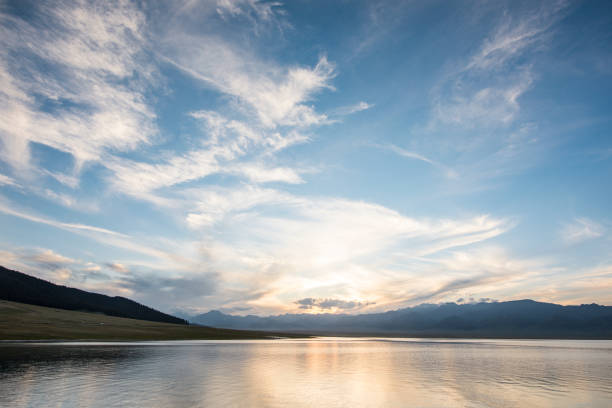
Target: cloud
95 82
118 267
485 91
337 222
335 247
165 287
255 11
89 86
7 257
511 38
496 104
581 229
49 259
472 272
329 304
71 181
261 173
166 253
8 209
576 286
448 172
44 263
226 144
451 287
276 96
91 267
214 204
349 110
168 291
7 181
476 124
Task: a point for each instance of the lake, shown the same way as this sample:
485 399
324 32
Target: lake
324 372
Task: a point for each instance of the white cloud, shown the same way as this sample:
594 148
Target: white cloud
329 223
512 38
262 11
49 258
213 204
8 209
276 95
581 229
226 146
485 91
492 105
349 110
324 247
448 172
68 180
261 173
91 54
141 179
7 181
159 253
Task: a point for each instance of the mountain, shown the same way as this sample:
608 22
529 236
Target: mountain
513 319
19 287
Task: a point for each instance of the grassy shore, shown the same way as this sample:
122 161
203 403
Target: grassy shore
19 321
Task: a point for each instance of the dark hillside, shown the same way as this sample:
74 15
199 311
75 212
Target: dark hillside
19 287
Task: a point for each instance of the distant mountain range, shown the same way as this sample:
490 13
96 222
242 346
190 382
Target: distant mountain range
514 319
19 287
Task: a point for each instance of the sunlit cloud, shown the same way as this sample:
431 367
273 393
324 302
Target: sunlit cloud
209 155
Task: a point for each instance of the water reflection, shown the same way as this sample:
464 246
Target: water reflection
326 372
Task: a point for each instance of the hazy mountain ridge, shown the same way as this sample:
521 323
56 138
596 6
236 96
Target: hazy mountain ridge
19 287
520 318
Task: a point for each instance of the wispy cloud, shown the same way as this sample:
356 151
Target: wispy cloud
511 38
470 272
228 146
8 209
89 86
261 10
277 96
7 181
448 172
485 91
581 229
349 110
491 105
166 254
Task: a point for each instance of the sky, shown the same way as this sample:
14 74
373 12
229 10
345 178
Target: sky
267 157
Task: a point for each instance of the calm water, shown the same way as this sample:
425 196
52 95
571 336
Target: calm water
308 373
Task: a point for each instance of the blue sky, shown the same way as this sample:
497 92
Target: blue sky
247 155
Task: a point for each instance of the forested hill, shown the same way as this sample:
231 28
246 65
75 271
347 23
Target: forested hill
19 287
